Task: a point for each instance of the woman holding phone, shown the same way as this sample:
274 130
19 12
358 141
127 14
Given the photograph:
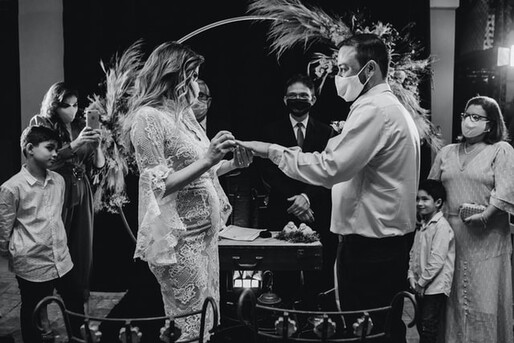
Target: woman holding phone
80 151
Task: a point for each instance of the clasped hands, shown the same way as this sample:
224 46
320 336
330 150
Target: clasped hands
244 151
223 143
300 208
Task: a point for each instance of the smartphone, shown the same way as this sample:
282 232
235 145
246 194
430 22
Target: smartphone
93 119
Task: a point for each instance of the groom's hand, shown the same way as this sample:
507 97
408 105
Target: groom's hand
259 149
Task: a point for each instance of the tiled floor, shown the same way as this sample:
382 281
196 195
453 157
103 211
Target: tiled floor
100 305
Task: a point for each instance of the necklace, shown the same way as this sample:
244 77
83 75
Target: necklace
470 151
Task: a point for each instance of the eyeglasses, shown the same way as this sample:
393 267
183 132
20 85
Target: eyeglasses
66 105
301 96
203 97
474 117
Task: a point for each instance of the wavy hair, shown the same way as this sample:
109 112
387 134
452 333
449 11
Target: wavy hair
56 94
166 75
53 98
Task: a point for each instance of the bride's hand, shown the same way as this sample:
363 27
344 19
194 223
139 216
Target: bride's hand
258 148
221 144
242 157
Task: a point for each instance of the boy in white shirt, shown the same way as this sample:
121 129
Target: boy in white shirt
432 259
32 234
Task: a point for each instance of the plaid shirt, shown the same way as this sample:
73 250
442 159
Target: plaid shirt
31 227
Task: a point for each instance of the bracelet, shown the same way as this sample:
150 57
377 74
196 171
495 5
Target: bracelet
483 220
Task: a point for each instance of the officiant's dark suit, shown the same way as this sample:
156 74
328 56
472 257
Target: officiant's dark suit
281 187
314 136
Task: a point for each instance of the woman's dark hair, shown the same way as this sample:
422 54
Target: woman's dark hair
369 47
497 128
54 97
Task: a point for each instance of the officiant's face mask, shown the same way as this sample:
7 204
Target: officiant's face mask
298 107
350 87
299 99
200 109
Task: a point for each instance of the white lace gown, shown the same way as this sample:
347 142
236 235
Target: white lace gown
178 233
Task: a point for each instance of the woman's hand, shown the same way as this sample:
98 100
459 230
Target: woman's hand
87 135
98 132
477 220
258 148
242 157
221 144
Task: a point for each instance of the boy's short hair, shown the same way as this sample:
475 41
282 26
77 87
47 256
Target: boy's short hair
37 134
434 188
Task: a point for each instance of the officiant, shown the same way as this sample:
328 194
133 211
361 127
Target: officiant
292 200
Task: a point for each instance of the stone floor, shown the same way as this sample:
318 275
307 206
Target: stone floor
100 305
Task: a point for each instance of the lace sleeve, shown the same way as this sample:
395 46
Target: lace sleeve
159 223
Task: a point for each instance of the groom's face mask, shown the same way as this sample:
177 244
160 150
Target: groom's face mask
352 78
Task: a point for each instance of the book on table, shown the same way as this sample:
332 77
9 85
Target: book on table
239 233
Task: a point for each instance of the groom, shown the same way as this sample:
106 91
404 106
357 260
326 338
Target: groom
372 168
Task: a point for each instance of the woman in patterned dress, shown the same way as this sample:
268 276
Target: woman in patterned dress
181 203
480 170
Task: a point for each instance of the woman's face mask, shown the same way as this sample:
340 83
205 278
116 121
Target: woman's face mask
67 109
350 87
200 110
474 121
471 129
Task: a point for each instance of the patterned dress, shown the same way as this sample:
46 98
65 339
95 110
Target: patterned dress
480 305
178 233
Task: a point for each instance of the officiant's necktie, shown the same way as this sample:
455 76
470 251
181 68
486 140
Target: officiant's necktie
299 134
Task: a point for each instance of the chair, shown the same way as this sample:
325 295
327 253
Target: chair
323 327
169 334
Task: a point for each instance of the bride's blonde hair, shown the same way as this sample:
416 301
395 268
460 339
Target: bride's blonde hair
166 75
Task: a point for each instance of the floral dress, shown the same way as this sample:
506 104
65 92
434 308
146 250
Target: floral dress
178 233
479 308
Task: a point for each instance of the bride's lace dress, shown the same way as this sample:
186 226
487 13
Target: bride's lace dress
178 233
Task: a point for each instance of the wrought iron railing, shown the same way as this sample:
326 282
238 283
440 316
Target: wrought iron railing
321 325
129 333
